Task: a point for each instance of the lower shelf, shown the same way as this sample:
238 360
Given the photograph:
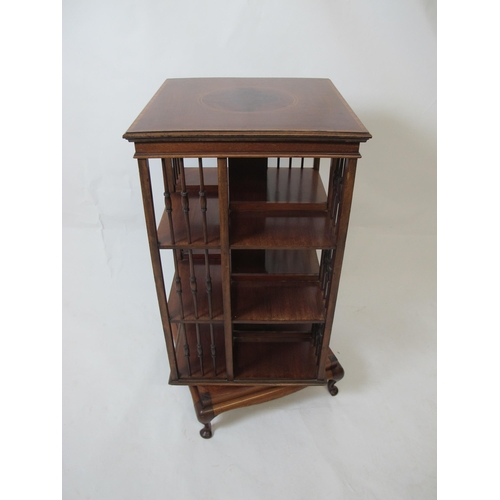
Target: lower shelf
284 355
274 360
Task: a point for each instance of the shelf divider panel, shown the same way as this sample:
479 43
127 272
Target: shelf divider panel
222 168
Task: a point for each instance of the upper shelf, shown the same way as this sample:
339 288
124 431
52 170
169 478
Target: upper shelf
277 189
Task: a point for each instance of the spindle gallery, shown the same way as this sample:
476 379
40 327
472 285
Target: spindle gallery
258 176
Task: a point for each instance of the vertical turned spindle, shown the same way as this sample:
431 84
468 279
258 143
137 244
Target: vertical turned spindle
193 284
167 183
323 270
199 348
178 284
168 174
182 327
329 274
185 199
322 266
194 291
314 333
337 185
176 170
174 173
168 209
321 331
203 201
208 281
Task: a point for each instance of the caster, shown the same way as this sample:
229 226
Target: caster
332 388
206 432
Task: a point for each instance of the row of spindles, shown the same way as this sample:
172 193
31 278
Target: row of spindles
194 291
278 162
318 330
337 173
326 272
337 182
179 176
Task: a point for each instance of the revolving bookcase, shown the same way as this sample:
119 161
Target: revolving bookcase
257 182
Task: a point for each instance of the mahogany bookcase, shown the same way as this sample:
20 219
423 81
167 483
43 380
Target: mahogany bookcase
257 239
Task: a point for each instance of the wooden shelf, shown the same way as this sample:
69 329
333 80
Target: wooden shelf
195 223
201 296
275 264
277 189
193 180
279 361
273 302
266 362
264 230
255 332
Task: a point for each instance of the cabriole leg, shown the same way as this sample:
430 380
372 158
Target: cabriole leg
206 432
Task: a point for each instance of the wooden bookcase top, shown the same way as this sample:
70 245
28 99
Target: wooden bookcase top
286 109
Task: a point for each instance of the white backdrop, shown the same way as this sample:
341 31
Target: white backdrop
129 435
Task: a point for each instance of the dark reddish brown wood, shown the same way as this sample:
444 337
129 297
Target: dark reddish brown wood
275 360
198 108
203 410
262 230
208 286
178 287
248 149
207 310
168 174
273 333
306 352
282 264
331 187
287 302
190 367
212 400
168 189
203 201
263 327
334 373
195 224
147 197
185 202
192 177
225 262
183 338
285 189
343 223
247 179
